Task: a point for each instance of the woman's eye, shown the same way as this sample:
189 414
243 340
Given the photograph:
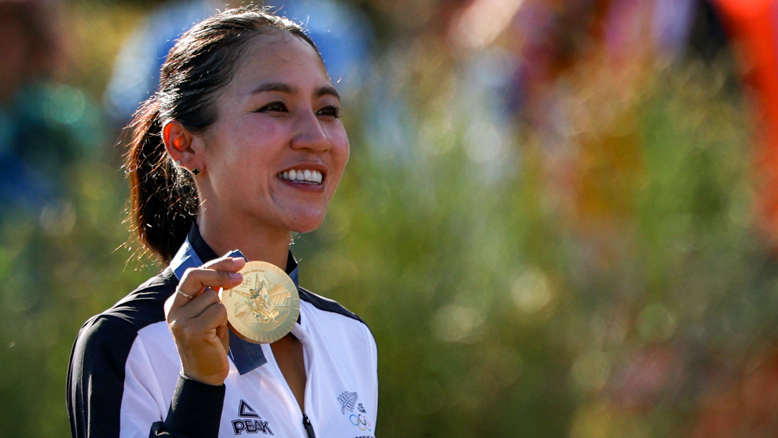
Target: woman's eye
331 111
273 107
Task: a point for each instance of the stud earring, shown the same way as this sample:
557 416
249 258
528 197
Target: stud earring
196 171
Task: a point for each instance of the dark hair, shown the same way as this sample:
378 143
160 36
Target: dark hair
164 199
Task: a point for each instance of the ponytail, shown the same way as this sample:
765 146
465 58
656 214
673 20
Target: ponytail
163 197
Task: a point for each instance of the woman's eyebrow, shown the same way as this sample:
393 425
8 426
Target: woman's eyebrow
327 90
274 86
291 89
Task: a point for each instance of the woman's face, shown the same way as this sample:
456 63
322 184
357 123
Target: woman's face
277 151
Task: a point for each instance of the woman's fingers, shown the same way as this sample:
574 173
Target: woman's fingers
195 307
212 317
219 273
201 284
196 279
203 328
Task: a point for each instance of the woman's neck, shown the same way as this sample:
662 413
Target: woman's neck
256 243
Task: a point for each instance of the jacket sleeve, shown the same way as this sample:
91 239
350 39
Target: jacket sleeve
107 398
195 411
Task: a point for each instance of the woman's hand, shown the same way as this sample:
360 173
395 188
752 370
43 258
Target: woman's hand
199 323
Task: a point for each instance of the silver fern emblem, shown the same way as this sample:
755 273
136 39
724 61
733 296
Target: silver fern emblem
348 400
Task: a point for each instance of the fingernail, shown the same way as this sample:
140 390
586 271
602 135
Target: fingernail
235 275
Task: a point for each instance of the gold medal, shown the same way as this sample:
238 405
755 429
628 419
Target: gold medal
264 308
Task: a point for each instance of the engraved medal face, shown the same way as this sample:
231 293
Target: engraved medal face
264 308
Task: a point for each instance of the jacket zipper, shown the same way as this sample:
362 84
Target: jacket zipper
308 427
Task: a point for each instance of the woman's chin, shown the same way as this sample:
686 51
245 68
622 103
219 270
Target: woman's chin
307 225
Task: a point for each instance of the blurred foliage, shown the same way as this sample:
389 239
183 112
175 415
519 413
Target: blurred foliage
56 270
496 316
501 307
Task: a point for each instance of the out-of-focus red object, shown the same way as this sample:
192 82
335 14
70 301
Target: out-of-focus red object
753 25
746 407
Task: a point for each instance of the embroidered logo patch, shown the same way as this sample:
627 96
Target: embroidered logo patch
348 400
251 422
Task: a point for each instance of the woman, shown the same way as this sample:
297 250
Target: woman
240 146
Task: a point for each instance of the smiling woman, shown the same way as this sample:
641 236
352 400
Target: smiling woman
241 146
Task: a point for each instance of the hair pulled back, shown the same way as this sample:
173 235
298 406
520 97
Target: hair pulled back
164 199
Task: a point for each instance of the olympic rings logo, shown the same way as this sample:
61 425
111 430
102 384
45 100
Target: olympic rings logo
361 421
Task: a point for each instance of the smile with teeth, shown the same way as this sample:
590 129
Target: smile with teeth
305 176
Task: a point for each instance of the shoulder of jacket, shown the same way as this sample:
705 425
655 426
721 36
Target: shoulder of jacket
327 305
140 308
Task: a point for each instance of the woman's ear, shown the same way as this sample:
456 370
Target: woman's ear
180 144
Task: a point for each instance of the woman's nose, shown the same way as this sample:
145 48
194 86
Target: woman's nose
309 134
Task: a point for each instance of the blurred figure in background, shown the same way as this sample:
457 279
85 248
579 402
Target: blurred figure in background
587 67
45 126
342 33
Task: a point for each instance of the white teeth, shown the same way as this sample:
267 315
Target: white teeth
306 176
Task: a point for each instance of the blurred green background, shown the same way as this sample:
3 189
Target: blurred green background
549 234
